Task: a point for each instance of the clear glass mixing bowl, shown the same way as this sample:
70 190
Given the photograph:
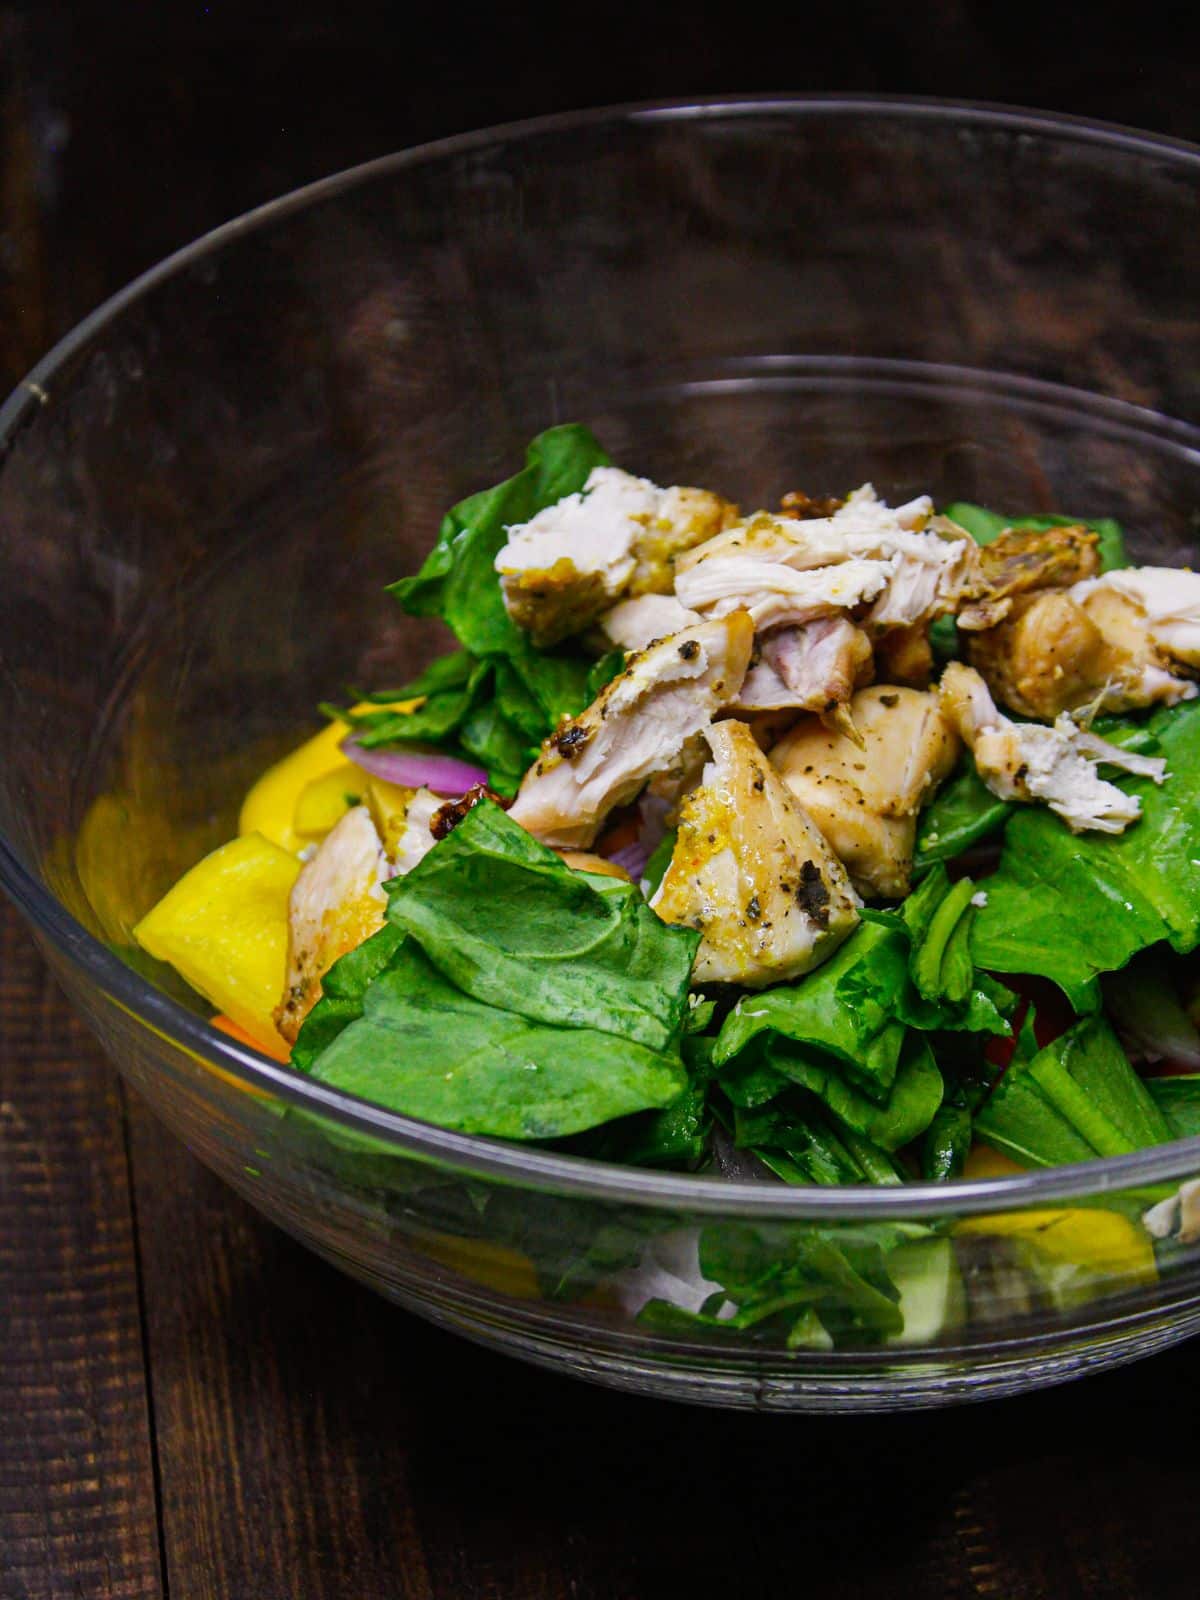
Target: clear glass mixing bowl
206 486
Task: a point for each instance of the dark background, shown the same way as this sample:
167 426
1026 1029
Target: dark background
189 1404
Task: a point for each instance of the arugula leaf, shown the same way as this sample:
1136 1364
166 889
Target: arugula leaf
509 923
424 1048
458 581
1070 906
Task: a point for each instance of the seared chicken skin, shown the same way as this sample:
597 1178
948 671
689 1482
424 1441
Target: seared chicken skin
752 873
336 903
865 799
1028 761
1023 560
619 536
639 725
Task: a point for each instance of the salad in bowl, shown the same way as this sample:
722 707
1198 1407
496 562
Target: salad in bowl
834 844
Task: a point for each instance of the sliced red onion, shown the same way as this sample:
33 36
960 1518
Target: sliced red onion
416 767
652 825
632 857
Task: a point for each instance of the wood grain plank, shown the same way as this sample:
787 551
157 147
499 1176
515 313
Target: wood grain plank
315 1441
77 1505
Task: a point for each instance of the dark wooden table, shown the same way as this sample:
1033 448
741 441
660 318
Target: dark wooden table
192 1406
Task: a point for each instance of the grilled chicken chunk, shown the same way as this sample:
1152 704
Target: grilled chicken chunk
619 536
1028 761
336 903
1096 644
635 624
865 799
787 570
1167 602
1023 560
752 872
814 667
638 726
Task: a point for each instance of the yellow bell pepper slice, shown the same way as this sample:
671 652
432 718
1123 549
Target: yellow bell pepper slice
224 927
985 1162
325 801
1100 1244
270 806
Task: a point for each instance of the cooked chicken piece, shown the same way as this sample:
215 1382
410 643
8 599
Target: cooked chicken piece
752 872
1168 604
619 535
905 656
336 903
807 507
1177 1217
1025 559
1046 657
815 580
865 799
634 624
1028 761
638 725
1061 650
402 817
783 570
814 667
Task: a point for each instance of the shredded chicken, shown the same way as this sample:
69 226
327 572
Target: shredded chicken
752 872
865 797
814 667
1028 761
635 624
619 536
336 903
640 724
912 565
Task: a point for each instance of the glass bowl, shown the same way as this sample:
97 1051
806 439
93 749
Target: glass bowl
206 486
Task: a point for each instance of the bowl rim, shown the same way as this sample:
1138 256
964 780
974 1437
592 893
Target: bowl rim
480 1155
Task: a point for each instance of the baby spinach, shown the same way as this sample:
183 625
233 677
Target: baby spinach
424 1047
458 581
509 995
496 699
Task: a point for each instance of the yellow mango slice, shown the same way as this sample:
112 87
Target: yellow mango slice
270 806
1099 1243
388 804
224 927
325 801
